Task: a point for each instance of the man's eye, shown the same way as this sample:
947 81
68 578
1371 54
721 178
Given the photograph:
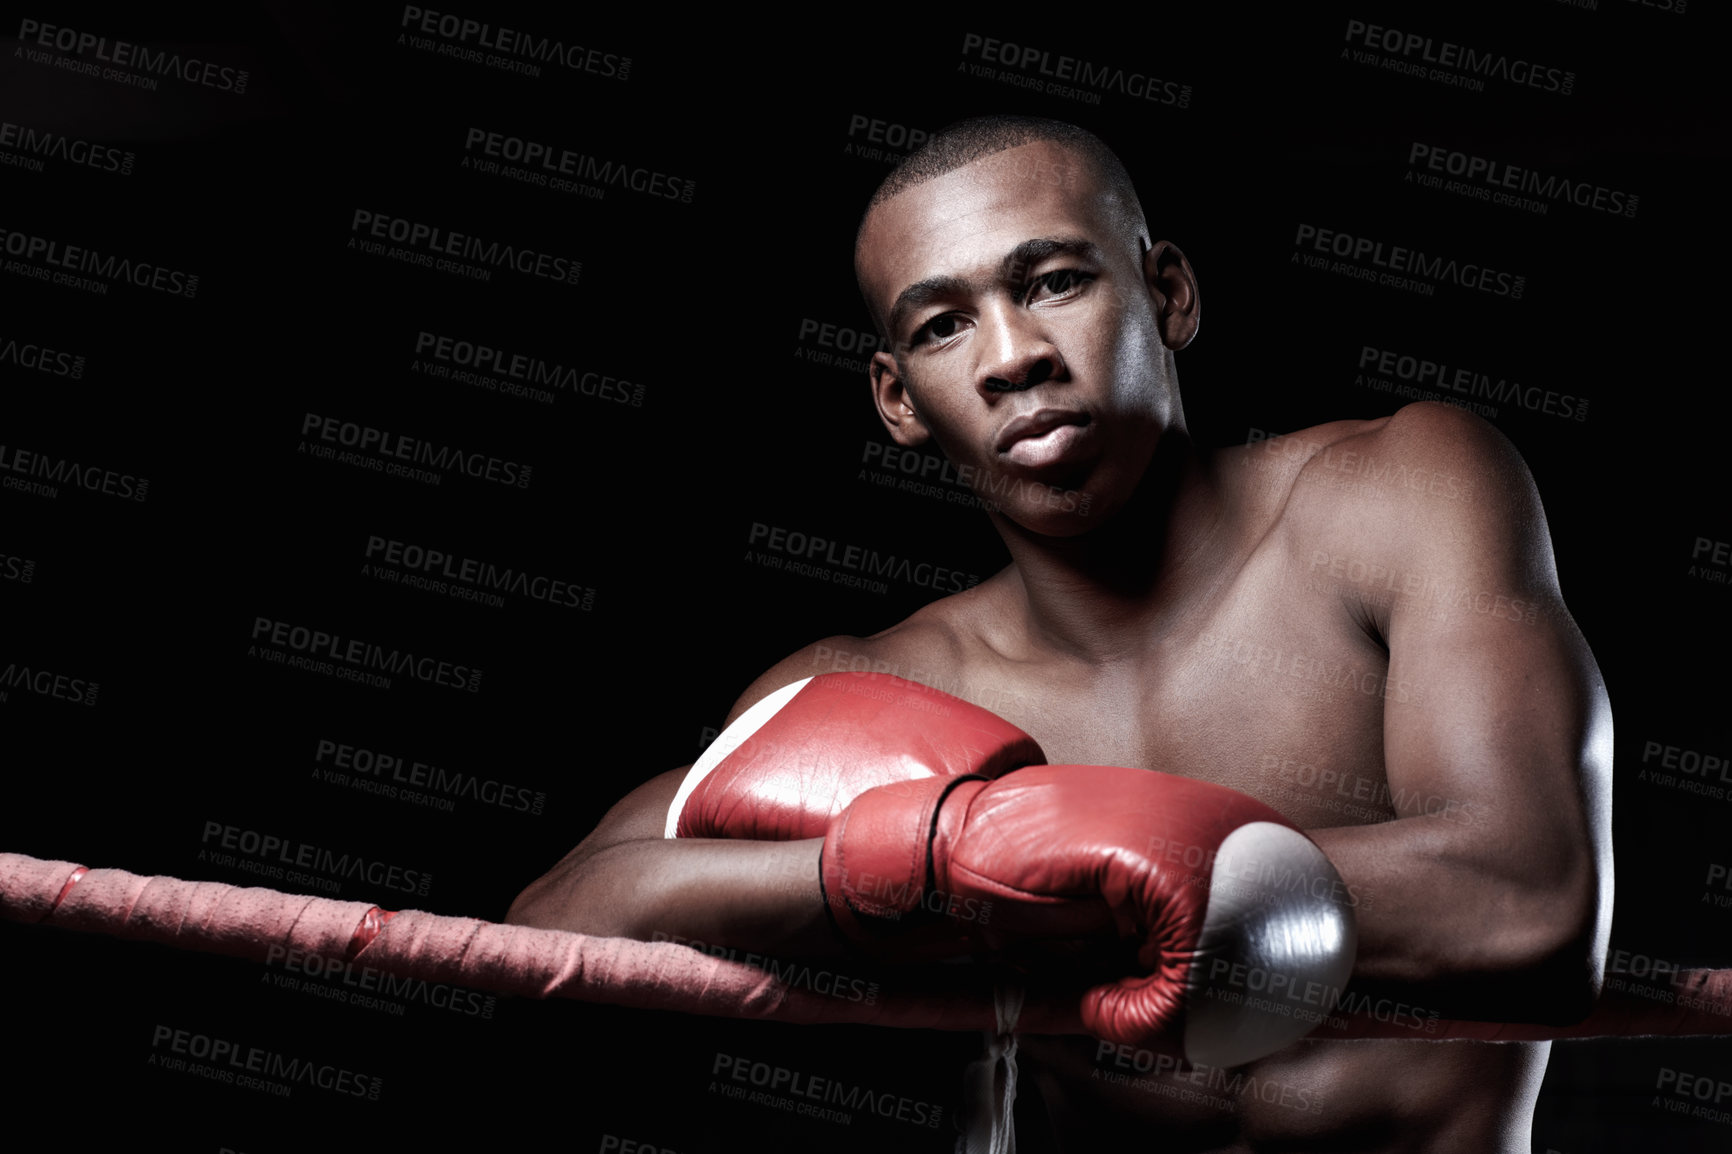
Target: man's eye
939 328
1064 282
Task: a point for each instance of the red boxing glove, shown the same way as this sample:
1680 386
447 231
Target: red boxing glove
1242 934
798 757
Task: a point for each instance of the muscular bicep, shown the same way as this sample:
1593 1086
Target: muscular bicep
642 814
1497 745
1495 702
626 873
1496 721
1496 726
638 816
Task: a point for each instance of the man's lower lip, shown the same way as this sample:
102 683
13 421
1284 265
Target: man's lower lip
1049 448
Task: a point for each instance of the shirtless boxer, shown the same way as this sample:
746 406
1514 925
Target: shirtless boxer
1359 624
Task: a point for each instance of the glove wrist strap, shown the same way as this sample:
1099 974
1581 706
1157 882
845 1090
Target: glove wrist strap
877 868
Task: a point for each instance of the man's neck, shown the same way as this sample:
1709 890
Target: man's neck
1103 595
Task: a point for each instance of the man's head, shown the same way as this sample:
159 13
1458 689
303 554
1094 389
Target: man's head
1029 320
970 140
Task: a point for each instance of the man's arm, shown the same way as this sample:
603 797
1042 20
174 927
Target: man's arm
1495 904
627 880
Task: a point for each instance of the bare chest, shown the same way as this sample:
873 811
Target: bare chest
1271 691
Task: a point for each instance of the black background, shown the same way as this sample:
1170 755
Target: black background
711 310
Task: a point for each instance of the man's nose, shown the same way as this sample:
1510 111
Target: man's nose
1017 354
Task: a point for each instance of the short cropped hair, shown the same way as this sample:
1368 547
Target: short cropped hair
968 140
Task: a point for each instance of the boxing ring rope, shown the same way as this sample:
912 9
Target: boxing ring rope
263 924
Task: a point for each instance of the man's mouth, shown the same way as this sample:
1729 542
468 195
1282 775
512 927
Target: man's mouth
1043 437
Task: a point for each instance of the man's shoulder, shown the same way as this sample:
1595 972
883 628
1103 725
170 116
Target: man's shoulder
1429 470
1428 489
931 647
1422 433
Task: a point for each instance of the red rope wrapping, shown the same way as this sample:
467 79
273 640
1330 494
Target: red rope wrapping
371 923
264 924
70 882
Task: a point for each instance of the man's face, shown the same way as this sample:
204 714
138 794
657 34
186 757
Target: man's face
1028 322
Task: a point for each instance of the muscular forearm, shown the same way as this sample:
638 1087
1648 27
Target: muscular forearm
1482 925
753 895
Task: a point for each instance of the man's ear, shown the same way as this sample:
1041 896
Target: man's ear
895 406
1173 287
